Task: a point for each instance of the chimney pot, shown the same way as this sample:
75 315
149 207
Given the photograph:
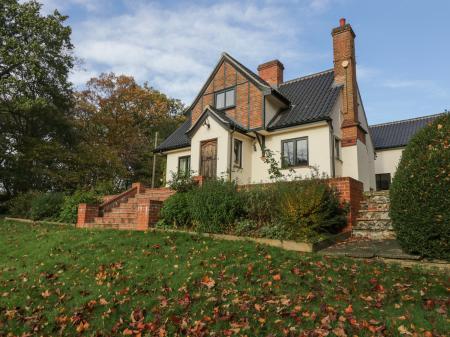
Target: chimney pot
342 22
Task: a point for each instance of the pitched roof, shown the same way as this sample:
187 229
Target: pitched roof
312 99
219 116
178 139
398 133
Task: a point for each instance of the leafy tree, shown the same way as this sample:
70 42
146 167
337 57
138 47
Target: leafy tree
118 119
35 97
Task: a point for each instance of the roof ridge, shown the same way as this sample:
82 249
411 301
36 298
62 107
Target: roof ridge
307 76
406 120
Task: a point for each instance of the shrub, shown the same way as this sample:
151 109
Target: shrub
182 182
176 211
215 206
46 206
420 202
69 210
309 207
20 205
259 202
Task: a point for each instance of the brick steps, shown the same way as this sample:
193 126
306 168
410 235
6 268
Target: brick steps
373 219
134 209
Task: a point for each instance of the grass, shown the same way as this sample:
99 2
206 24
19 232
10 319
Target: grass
57 280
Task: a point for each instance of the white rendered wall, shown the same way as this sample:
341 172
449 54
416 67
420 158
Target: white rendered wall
215 131
318 151
172 161
387 161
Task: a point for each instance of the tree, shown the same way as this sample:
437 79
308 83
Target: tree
117 119
420 204
35 97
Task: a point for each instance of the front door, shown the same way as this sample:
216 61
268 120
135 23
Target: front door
208 158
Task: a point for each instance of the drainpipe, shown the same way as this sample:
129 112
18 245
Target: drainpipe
333 164
230 152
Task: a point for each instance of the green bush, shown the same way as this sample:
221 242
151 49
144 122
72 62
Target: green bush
309 207
46 206
69 209
215 206
420 192
20 205
259 202
176 211
182 182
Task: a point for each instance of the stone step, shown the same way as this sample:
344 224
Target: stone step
373 215
374 235
374 224
122 210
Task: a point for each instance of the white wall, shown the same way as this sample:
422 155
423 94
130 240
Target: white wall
243 175
172 161
318 147
387 161
203 133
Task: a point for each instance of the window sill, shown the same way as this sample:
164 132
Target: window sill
227 108
295 166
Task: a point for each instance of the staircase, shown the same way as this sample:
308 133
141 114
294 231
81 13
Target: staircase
373 220
135 209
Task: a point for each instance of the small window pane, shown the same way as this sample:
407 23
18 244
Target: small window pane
220 100
184 165
337 147
237 153
288 153
302 152
383 181
229 100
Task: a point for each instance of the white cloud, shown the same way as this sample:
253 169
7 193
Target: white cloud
175 48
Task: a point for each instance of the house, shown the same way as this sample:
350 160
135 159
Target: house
390 139
314 121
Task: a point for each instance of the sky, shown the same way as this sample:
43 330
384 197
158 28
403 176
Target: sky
402 46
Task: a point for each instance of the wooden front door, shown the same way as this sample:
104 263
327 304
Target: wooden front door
208 158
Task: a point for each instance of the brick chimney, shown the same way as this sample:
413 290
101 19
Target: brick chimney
271 72
345 74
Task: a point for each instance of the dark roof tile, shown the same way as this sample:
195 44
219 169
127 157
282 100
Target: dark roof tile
312 99
398 134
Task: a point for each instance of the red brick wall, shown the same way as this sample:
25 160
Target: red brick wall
248 110
350 191
271 72
86 214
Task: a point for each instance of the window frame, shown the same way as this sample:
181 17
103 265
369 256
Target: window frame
337 148
294 140
224 92
237 141
188 171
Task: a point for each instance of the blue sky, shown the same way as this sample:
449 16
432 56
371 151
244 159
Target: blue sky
402 47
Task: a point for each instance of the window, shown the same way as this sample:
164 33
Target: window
294 152
383 181
237 151
184 165
337 148
225 99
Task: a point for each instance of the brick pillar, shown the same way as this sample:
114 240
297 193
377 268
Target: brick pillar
199 180
351 192
147 213
86 214
140 187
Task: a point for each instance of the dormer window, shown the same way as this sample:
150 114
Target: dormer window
225 99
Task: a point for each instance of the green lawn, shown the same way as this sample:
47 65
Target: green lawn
61 281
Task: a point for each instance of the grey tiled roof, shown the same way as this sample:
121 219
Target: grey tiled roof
398 134
177 139
312 99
